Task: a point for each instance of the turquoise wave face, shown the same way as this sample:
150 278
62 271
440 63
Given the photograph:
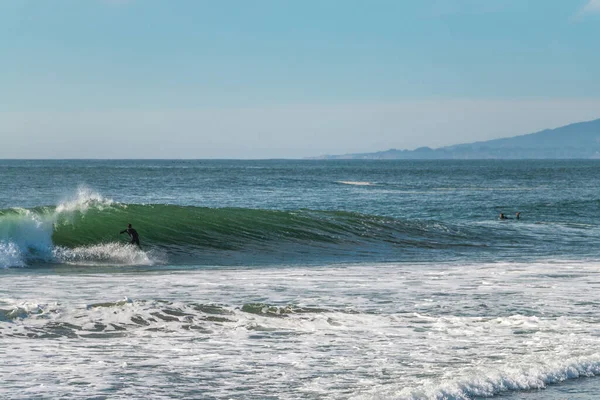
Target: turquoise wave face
254 233
235 228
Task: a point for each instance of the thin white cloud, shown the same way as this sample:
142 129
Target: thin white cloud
592 6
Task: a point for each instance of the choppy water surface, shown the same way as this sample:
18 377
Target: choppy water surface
290 279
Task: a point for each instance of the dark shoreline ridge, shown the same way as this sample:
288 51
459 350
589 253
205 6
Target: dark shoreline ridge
575 141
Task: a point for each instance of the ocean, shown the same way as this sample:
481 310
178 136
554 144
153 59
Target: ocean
300 279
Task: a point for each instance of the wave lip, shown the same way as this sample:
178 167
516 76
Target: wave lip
84 199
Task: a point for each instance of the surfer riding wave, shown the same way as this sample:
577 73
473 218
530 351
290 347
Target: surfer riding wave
135 238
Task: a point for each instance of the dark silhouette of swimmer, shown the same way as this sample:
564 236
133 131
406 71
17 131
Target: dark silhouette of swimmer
135 239
517 216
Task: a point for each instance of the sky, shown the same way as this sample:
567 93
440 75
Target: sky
288 79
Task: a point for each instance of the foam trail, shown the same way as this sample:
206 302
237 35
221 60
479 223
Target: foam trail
103 254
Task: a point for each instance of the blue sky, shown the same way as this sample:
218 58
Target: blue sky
280 78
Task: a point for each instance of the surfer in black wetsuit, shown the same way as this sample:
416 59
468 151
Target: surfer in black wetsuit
135 239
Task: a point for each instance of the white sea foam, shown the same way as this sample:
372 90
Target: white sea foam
106 254
362 332
493 381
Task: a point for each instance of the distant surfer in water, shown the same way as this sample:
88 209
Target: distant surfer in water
135 239
517 216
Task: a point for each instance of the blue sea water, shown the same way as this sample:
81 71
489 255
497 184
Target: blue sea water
300 279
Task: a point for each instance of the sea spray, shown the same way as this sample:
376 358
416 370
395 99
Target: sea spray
107 254
10 255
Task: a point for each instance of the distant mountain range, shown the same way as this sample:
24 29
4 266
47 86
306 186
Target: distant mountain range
580 140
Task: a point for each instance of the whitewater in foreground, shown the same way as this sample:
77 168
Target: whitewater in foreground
360 332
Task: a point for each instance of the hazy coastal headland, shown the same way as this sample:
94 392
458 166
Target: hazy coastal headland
575 141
